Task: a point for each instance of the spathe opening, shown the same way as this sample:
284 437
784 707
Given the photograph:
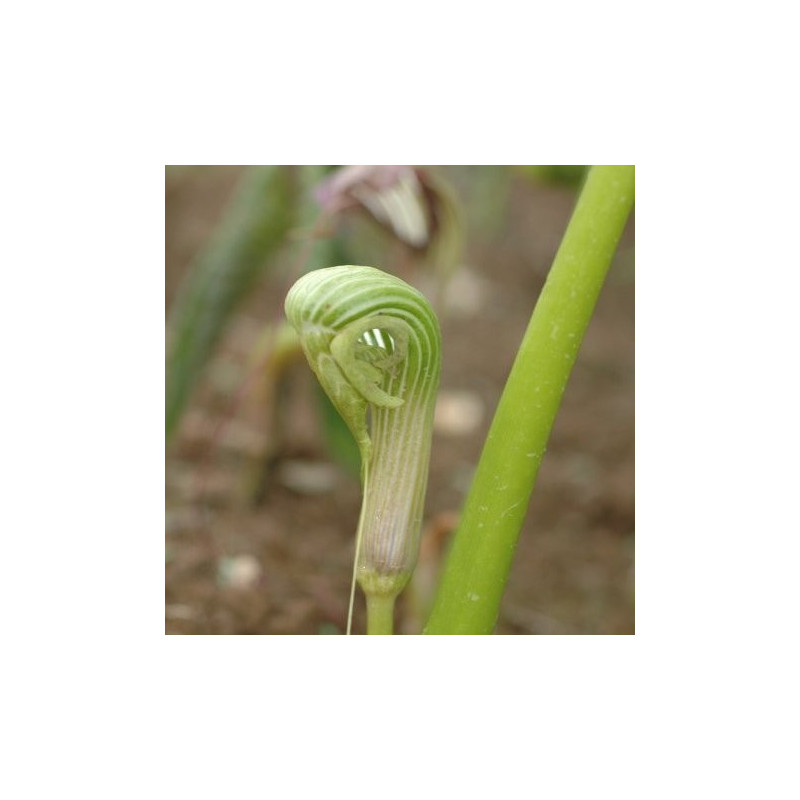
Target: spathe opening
378 338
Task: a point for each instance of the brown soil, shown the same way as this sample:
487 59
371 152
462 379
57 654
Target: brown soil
283 565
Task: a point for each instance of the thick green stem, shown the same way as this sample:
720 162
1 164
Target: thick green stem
380 614
477 568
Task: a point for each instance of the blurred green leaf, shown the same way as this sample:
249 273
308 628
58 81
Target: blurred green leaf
570 174
255 225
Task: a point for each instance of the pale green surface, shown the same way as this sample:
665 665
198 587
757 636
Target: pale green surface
477 568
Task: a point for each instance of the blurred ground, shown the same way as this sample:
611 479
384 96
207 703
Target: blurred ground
284 566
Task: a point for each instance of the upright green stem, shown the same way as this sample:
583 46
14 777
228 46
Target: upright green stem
380 614
477 568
